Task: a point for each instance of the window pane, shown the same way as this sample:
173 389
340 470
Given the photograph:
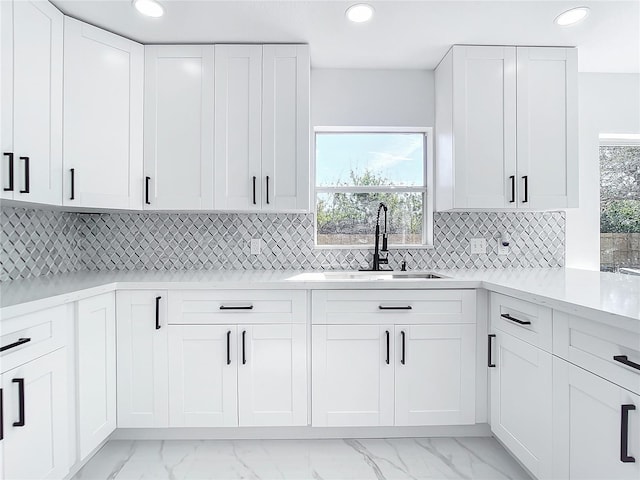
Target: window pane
357 159
350 218
620 208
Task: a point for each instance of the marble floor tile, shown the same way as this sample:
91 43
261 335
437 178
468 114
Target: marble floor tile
349 459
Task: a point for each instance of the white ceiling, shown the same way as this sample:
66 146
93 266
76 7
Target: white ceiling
403 34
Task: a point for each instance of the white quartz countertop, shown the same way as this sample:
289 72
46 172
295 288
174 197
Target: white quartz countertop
592 294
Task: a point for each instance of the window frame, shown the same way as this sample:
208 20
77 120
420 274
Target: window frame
426 190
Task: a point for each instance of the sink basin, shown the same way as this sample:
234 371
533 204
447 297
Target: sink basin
381 275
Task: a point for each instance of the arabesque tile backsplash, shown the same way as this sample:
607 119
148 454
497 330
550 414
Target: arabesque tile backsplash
44 242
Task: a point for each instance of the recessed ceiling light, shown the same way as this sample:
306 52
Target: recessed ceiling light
149 8
360 12
573 16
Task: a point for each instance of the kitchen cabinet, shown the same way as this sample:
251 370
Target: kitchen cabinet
384 357
593 418
103 129
262 127
253 344
96 371
142 359
178 127
506 128
31 91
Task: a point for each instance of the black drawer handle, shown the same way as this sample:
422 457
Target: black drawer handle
20 382
387 334
490 363
21 341
10 187
26 174
229 347
404 307
624 433
73 184
244 356
513 188
254 190
625 361
240 307
403 349
267 189
520 322
146 190
158 312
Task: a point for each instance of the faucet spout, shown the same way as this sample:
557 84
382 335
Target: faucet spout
377 259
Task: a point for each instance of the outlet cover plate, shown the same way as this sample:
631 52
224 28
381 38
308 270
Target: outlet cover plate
503 250
478 246
255 246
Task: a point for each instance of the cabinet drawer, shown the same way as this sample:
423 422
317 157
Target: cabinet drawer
29 336
393 306
607 351
524 320
198 307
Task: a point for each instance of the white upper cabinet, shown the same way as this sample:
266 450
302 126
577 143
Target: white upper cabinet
32 34
506 128
178 127
262 127
103 102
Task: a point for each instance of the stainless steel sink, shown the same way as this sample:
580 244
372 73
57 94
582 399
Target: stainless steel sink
381 275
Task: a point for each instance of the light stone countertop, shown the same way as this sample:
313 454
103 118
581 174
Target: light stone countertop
600 296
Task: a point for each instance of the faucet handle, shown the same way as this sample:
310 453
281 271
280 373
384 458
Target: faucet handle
403 266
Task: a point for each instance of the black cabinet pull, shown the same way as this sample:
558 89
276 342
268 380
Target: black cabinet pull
267 189
521 322
490 363
26 174
387 334
625 361
1 415
402 337
20 382
158 312
21 341
244 357
254 190
229 347
73 184
403 307
146 190
526 189
240 307
624 433
513 188
10 187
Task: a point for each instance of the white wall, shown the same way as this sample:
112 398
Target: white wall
608 103
389 98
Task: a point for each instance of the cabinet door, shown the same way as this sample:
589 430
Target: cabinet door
96 371
39 447
203 384
285 127
352 375
588 426
103 84
32 96
547 127
484 126
7 165
143 386
521 402
178 125
435 374
238 100
272 375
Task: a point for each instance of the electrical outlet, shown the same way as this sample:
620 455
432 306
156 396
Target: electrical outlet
478 246
255 246
502 250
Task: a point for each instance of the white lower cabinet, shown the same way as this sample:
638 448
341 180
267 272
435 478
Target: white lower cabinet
203 384
521 405
34 439
142 359
352 375
435 381
96 371
596 426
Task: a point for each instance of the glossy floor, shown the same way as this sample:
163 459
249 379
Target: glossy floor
377 459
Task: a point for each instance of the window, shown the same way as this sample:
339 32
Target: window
620 204
357 169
